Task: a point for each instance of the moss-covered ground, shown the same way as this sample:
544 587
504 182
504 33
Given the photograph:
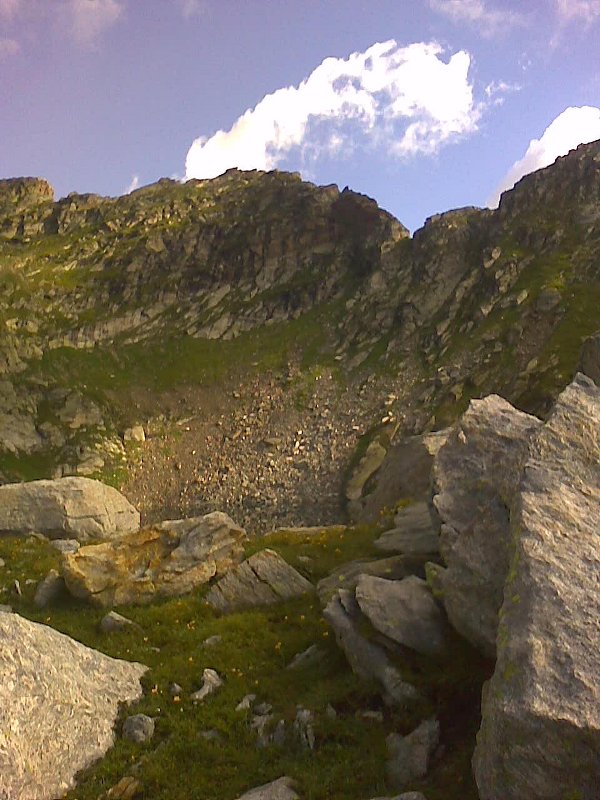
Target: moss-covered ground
255 647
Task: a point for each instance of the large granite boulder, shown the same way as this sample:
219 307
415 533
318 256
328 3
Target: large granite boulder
404 611
540 734
66 508
475 475
168 560
265 578
58 704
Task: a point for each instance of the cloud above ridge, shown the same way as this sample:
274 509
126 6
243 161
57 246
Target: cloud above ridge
477 13
574 126
407 100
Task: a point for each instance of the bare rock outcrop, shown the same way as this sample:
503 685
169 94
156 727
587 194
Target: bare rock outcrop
66 508
58 704
263 579
475 476
540 734
165 561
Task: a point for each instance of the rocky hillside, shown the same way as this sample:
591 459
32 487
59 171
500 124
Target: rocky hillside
239 319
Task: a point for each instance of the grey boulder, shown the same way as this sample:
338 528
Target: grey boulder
409 756
263 579
404 611
71 508
475 475
138 728
540 732
59 701
168 560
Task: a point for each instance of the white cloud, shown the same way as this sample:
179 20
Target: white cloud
407 99
135 184
576 125
89 18
489 21
587 11
193 8
8 48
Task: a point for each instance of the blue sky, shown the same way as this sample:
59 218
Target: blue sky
425 105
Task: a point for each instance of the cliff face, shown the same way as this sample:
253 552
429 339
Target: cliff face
101 294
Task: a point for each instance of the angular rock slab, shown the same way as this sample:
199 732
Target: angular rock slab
166 561
404 611
265 578
346 576
66 508
281 789
540 733
413 533
475 475
58 704
367 660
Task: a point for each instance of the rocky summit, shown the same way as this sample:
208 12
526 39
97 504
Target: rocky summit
319 496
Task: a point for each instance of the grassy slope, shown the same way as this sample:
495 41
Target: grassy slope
256 645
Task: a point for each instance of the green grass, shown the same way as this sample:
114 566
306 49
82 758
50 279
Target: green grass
256 645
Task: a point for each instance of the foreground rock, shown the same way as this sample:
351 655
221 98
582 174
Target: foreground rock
75 508
475 476
540 735
405 612
58 704
169 560
263 579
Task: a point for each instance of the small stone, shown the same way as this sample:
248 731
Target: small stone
303 728
211 681
112 622
134 434
138 728
263 708
211 735
17 588
409 756
65 546
5 609
2 563
125 789
246 702
308 658
330 712
49 590
281 789
279 734
212 641
175 690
